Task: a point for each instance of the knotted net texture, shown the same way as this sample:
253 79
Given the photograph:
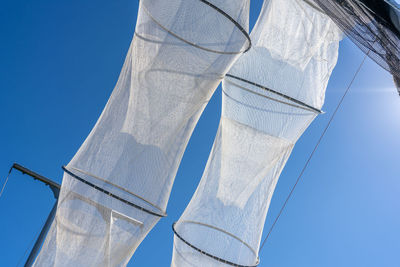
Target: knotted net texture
270 96
116 187
373 25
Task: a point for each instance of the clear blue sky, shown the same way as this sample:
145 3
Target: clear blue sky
59 61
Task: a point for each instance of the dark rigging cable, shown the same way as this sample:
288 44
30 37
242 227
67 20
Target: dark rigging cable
312 153
5 183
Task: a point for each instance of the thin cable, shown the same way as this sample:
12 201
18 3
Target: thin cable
5 183
36 235
29 246
312 153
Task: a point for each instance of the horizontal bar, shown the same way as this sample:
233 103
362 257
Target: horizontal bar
35 175
55 187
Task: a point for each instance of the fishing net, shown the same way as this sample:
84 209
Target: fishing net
116 187
270 96
374 26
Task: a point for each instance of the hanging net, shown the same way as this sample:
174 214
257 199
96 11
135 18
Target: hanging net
116 187
373 25
270 96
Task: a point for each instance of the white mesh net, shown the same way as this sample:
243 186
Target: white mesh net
117 186
270 96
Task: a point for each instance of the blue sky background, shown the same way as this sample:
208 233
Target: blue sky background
59 61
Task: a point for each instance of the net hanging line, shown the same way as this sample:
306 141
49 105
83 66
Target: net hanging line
116 187
270 96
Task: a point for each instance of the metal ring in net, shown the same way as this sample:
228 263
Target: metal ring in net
220 11
208 254
298 102
111 194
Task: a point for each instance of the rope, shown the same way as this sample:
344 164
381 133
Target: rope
313 152
5 183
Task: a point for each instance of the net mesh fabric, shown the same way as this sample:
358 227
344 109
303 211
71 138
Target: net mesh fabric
374 26
180 51
294 51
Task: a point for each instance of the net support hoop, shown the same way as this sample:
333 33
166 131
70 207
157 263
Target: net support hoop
210 255
112 195
298 102
223 13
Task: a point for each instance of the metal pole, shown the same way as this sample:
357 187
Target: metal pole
38 244
55 188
